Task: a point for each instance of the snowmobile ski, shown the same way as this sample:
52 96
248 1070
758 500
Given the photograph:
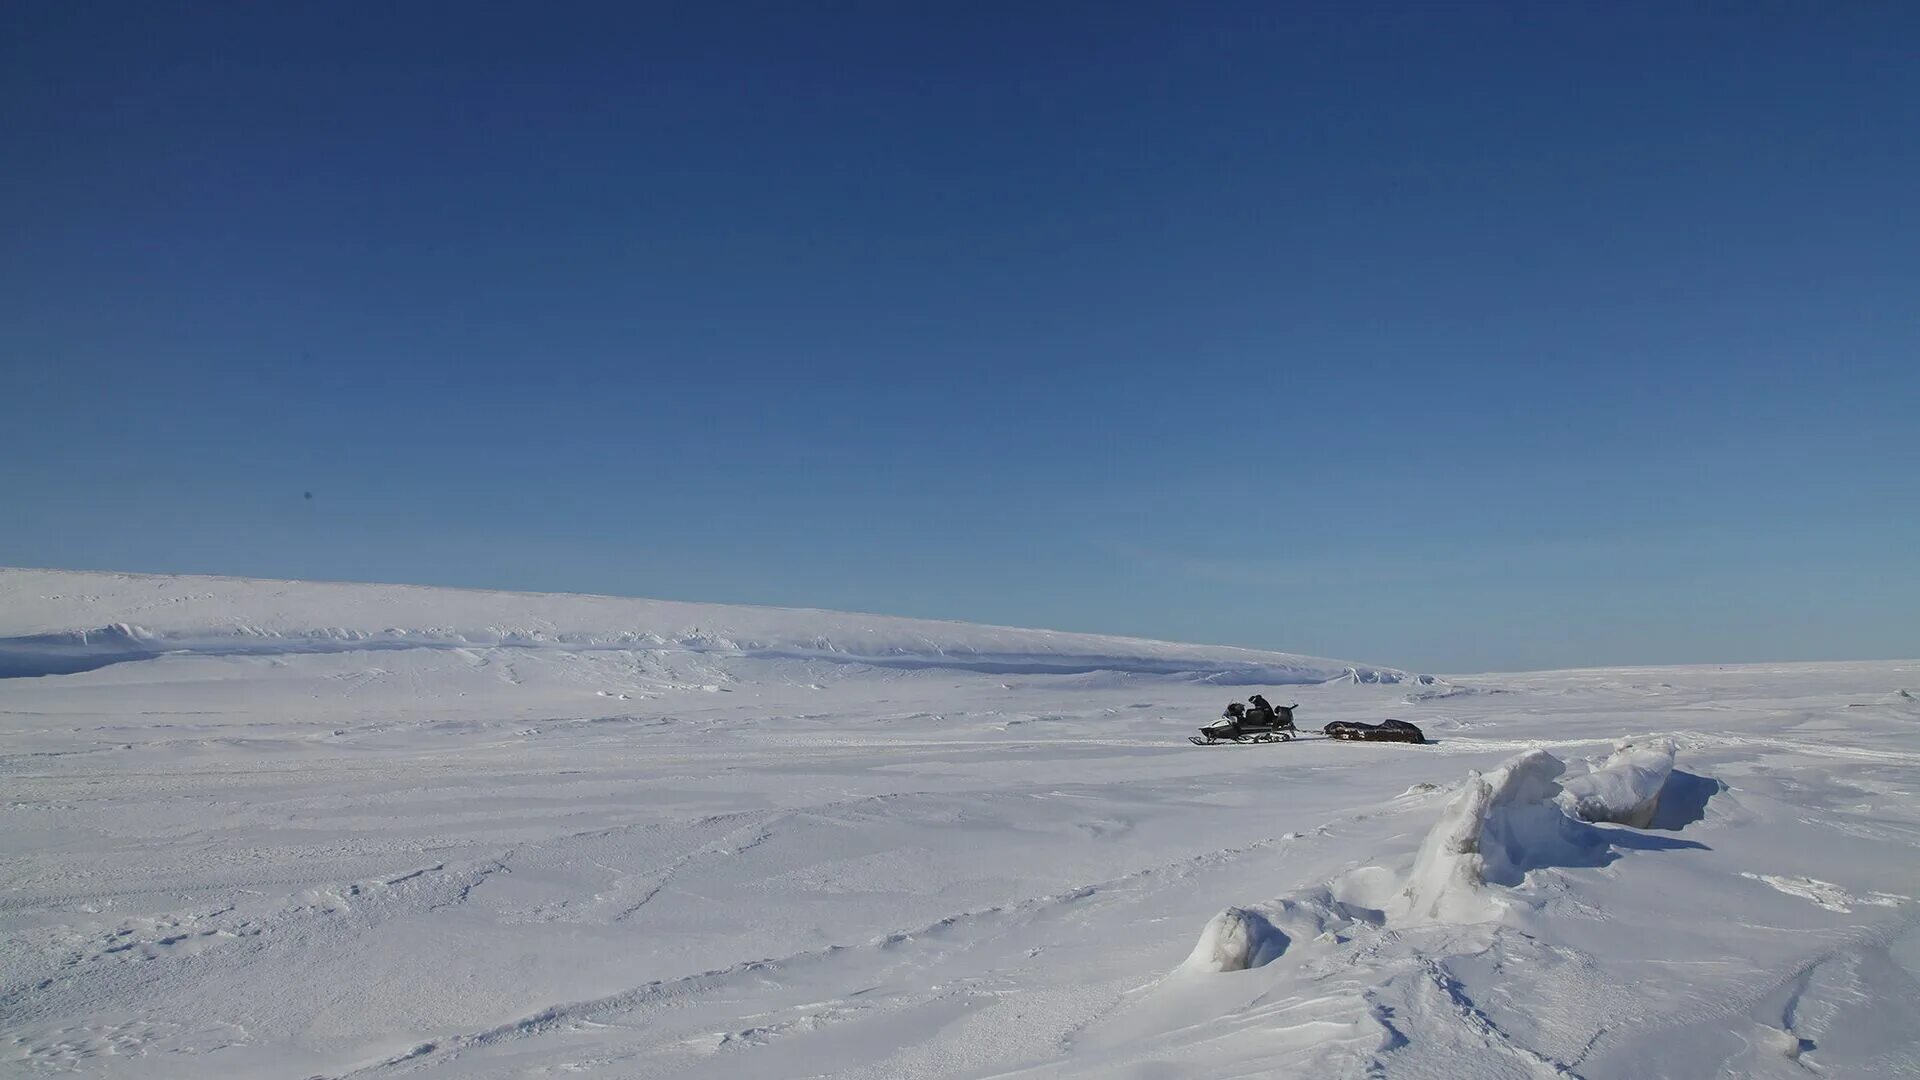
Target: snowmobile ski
1262 737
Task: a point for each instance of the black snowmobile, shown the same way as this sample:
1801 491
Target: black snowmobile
1261 723
1384 731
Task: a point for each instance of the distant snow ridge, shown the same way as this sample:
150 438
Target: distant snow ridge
63 622
1496 827
65 652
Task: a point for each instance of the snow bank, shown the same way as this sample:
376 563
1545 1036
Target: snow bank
1626 788
48 620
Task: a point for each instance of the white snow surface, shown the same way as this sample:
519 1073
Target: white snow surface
277 829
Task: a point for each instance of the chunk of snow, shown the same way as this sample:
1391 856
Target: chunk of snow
1235 940
1493 830
1626 788
1248 937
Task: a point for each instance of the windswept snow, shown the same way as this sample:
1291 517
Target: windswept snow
262 829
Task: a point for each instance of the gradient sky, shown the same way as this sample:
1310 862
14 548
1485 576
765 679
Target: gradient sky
1452 337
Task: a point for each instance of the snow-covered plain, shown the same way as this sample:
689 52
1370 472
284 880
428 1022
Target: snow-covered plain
273 829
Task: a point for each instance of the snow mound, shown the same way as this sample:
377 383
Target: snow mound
62 622
1235 940
1495 828
1626 788
1252 936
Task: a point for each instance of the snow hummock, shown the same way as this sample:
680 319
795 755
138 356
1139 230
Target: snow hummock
1248 937
1625 788
1495 828
1235 940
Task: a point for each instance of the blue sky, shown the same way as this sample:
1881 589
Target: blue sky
1459 338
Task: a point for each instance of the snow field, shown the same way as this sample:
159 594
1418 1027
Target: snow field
968 852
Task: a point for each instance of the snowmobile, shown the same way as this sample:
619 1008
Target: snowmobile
1384 731
1263 724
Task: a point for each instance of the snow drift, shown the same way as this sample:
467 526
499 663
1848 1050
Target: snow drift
1626 788
1496 827
1252 936
1237 939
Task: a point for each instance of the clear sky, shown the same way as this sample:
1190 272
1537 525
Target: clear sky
1453 337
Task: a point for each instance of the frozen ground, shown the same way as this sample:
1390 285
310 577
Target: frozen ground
262 829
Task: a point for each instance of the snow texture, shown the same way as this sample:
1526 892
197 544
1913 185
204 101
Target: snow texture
280 829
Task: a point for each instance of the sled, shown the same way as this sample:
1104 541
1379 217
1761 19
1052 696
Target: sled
1385 731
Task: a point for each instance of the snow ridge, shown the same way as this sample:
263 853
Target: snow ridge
62 622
